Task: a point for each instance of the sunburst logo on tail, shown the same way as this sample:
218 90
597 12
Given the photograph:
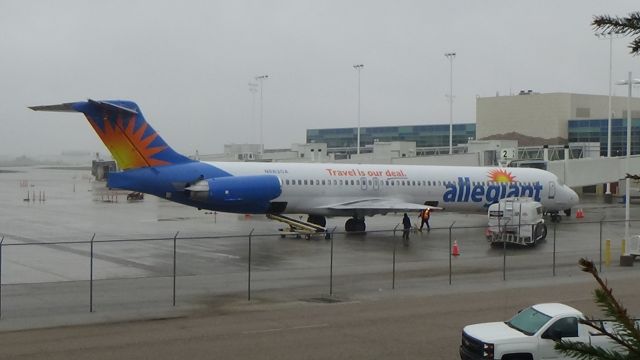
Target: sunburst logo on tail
130 146
501 176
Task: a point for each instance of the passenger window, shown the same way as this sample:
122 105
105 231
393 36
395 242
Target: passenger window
402 182
566 327
369 182
335 182
317 182
299 182
352 182
305 182
286 182
322 182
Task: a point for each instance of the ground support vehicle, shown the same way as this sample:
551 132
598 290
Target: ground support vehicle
516 221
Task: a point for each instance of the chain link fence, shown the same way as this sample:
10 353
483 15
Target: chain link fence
99 272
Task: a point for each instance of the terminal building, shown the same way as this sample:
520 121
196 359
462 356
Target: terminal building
536 119
344 139
532 119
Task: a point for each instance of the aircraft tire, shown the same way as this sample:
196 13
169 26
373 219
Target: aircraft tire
350 225
355 225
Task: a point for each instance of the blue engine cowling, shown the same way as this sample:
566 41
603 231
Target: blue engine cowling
242 194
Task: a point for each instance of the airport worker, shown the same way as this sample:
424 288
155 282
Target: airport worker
406 223
424 218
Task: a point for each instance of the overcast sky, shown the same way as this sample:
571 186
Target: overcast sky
188 64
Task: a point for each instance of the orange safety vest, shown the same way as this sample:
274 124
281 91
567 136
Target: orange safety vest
425 214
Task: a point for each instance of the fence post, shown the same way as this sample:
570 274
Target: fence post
504 256
1 245
395 242
331 270
175 237
91 275
450 244
601 245
555 226
249 265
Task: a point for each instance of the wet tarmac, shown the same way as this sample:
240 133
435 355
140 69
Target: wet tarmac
49 216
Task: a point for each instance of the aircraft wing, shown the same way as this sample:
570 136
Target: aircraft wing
377 206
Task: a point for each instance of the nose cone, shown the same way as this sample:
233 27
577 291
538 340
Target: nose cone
572 197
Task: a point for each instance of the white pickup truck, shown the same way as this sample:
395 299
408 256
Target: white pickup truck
530 334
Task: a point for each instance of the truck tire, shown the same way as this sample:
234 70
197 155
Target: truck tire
522 356
540 232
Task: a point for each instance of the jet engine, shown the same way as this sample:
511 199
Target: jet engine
231 191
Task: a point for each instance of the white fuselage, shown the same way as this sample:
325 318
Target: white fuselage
310 187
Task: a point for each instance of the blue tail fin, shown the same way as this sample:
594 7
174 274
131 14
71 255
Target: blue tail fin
133 143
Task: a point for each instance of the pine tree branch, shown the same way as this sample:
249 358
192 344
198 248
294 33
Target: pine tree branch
606 300
606 332
628 26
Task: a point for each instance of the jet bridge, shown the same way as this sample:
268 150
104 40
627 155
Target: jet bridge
593 171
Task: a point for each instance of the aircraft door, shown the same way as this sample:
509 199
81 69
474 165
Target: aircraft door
552 190
376 184
363 183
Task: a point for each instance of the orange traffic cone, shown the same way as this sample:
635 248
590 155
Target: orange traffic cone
579 214
455 250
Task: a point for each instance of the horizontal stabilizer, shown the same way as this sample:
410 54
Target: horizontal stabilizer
71 107
110 106
66 107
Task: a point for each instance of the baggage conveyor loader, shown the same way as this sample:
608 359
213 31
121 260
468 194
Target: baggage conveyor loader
299 227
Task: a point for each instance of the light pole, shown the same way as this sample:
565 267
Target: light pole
253 90
450 56
260 79
358 68
630 82
609 35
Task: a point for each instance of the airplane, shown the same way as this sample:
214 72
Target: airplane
149 165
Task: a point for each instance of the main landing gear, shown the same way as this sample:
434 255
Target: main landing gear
355 225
